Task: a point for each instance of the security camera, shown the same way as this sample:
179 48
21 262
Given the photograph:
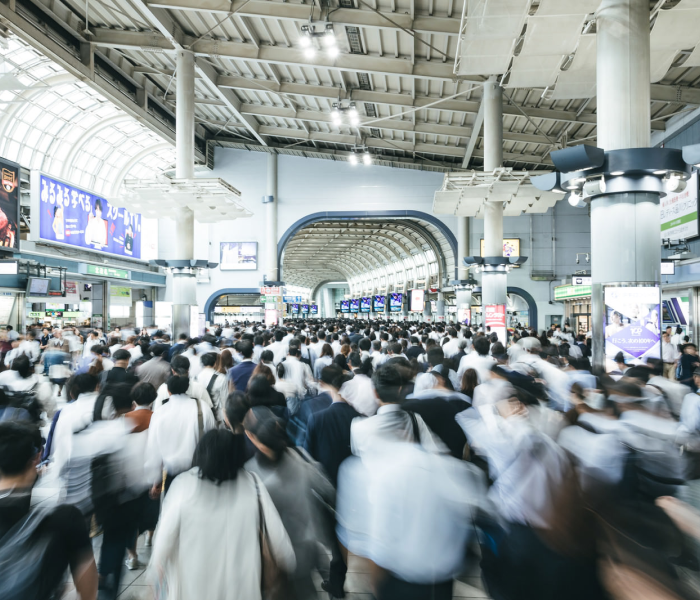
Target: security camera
577 260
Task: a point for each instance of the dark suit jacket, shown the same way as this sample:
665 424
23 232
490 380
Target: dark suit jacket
355 338
240 374
174 350
313 405
439 415
328 437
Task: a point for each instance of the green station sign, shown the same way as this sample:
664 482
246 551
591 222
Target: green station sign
570 292
107 272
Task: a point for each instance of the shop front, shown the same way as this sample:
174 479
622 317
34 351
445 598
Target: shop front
577 306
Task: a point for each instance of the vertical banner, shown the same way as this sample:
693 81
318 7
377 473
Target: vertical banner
9 205
495 318
632 323
270 316
679 212
464 315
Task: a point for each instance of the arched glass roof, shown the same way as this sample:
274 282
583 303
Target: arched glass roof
49 120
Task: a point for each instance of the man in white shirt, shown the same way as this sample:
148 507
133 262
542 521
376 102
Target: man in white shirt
479 360
318 346
452 347
677 338
91 341
180 365
30 347
174 432
298 372
214 383
278 347
12 335
669 354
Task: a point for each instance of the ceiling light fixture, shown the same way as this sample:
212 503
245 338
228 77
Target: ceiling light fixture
352 159
350 111
367 158
616 173
326 39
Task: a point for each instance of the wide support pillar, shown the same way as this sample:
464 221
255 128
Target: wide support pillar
440 307
462 247
625 244
184 279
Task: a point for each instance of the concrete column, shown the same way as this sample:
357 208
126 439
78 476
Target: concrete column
184 281
625 245
462 247
427 309
464 301
440 307
271 267
493 282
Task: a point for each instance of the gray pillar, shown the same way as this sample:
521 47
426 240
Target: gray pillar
440 307
271 267
625 245
184 280
493 282
427 309
462 247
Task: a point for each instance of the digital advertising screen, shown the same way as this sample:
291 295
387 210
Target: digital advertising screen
632 323
395 302
365 305
345 306
75 217
511 247
239 256
295 309
417 300
9 205
305 309
314 309
379 303
464 315
354 305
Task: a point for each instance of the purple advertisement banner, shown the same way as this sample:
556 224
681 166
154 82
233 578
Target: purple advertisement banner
632 323
69 215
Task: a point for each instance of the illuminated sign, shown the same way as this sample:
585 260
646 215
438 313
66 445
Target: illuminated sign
107 272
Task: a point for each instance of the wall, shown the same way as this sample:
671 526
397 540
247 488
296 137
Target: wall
308 186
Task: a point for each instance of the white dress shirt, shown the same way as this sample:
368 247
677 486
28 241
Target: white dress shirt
299 374
173 435
219 392
481 364
279 350
196 391
74 416
451 348
669 352
359 393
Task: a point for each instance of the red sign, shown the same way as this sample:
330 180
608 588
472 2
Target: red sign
270 291
495 315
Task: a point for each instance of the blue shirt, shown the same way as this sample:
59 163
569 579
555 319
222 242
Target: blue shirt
240 374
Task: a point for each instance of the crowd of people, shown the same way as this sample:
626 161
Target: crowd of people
254 456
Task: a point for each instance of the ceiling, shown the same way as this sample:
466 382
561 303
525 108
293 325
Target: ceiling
255 88
369 254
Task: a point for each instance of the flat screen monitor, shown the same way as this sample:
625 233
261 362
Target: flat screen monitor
38 286
87 287
379 304
304 308
345 306
668 267
295 309
239 256
314 309
354 305
417 300
365 304
395 302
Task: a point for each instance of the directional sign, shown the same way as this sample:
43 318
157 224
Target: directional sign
270 291
581 280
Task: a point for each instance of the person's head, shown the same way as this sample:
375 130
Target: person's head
121 358
266 431
326 350
98 350
23 366
394 348
83 384
331 377
122 400
620 358
208 359
279 335
482 345
696 377
469 381
354 360
365 344
267 356
219 455
690 349
237 405
666 336
20 452
390 382
436 356
98 208
158 350
177 385
143 393
264 370
180 365
259 389
678 330
9 328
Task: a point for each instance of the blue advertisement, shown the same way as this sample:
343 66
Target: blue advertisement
395 302
314 309
354 305
365 304
69 215
304 308
345 306
379 303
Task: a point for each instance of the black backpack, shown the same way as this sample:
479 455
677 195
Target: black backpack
25 399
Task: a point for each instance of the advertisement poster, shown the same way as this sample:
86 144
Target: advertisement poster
495 318
9 205
345 306
365 304
120 296
239 256
395 302
511 247
314 309
379 303
354 305
72 216
679 212
632 323
417 300
464 316
270 316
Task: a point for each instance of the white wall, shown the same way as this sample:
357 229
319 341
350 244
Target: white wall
307 186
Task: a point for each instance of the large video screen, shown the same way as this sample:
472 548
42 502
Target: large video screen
304 308
365 304
395 302
9 205
75 217
239 256
345 306
417 300
632 322
314 309
379 303
295 309
354 305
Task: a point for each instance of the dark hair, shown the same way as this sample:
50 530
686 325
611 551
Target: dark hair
178 385
262 369
180 364
469 382
259 388
209 359
18 446
390 381
220 455
481 345
23 366
331 375
267 356
436 357
246 349
158 349
122 355
120 393
395 348
143 393
237 405
270 430
83 384
355 360
279 335
326 350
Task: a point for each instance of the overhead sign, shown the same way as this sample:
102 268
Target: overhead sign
9 205
270 299
120 296
291 299
270 291
679 212
75 217
569 292
582 281
106 272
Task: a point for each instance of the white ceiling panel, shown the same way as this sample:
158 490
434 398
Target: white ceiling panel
552 35
534 71
579 80
567 7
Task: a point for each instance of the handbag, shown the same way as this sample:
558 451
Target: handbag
273 579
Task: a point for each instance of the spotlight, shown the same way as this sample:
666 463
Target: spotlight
310 52
305 41
616 173
603 185
333 51
661 172
576 200
354 120
329 37
674 184
367 158
352 159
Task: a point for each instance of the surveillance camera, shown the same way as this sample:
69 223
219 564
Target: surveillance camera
588 258
577 260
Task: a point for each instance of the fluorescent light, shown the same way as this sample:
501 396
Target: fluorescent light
367 158
305 41
616 173
660 172
603 185
352 159
310 52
